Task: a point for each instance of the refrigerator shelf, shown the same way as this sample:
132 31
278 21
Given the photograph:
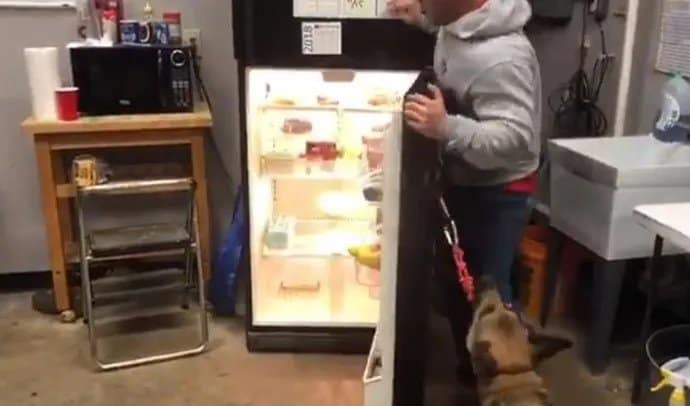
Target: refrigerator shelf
312 292
389 108
301 168
323 238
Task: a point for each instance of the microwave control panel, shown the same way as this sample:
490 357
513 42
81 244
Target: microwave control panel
181 80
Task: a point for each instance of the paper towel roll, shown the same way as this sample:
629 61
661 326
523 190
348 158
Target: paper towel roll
42 70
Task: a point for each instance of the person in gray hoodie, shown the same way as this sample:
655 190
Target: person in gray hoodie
487 113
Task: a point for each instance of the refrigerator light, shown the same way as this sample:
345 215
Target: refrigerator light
338 75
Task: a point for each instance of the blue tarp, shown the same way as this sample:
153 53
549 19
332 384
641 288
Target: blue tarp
224 278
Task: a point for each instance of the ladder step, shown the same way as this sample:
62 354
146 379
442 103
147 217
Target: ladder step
110 298
140 255
136 280
164 306
179 321
153 237
139 187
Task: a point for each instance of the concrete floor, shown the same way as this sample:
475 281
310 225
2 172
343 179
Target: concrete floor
43 362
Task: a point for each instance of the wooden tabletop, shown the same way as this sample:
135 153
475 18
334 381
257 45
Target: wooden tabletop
199 118
670 221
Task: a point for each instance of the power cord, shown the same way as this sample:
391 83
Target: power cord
196 66
575 104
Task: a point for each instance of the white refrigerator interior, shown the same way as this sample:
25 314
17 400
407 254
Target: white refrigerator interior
317 147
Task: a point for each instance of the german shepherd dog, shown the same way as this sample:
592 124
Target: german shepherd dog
504 354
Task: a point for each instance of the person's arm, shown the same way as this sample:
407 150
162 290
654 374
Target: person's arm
410 11
503 99
426 25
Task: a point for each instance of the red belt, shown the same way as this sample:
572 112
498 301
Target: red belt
526 185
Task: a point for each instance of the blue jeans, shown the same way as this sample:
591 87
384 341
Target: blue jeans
490 224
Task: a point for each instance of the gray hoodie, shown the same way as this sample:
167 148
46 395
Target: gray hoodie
490 75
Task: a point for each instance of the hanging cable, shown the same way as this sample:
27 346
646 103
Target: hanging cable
196 67
575 104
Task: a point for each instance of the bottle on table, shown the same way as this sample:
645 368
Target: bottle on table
148 12
673 124
174 21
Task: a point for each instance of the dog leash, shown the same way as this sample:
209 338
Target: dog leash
450 231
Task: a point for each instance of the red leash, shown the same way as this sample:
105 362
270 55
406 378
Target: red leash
450 230
465 278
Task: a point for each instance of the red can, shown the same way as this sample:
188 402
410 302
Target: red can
321 150
329 151
174 21
313 151
67 100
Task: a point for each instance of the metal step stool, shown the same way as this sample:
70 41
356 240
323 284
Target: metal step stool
140 294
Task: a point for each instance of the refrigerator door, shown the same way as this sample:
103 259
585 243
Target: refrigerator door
395 372
267 33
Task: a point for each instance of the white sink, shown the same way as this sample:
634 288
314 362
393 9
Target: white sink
633 161
597 182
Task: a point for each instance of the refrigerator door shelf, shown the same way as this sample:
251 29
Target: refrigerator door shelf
374 387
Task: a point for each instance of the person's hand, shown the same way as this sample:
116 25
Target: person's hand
427 115
410 11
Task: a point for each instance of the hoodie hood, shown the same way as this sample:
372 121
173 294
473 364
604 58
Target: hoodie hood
494 18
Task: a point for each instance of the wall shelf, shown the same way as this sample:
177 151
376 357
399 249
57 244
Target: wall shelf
41 4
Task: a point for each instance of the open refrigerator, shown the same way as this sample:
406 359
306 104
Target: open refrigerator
329 169
320 100
332 168
316 146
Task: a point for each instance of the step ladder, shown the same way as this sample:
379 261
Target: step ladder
120 298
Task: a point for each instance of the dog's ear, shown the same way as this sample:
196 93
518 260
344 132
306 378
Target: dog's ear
545 346
485 365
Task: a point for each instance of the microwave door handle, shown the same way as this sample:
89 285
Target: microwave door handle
161 82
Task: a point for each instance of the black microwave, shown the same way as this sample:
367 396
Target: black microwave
131 79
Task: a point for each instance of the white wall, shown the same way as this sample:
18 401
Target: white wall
23 246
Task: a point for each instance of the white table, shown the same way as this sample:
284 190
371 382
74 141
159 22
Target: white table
670 222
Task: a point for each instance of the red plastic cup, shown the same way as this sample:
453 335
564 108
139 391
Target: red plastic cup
67 99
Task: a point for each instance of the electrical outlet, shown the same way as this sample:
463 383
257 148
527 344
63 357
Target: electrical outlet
192 36
588 42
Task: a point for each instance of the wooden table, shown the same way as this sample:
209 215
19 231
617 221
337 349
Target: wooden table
668 222
53 138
